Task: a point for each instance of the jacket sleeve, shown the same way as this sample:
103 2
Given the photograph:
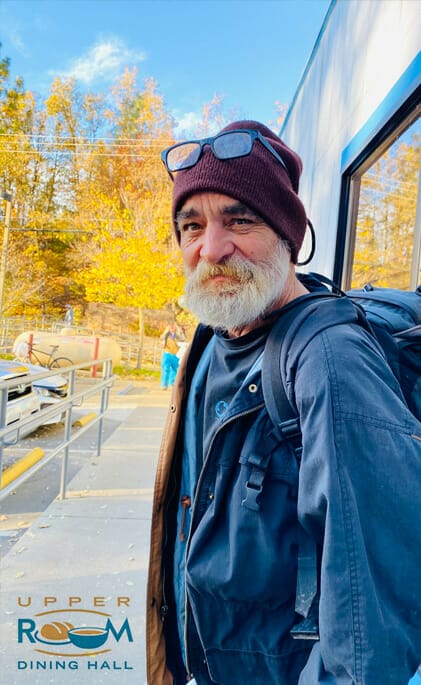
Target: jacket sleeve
359 497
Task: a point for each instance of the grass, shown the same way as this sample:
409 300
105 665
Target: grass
128 372
121 371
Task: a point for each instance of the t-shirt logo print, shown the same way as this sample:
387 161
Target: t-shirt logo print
220 408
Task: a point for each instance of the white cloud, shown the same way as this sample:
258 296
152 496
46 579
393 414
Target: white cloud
17 42
187 124
12 31
191 125
104 60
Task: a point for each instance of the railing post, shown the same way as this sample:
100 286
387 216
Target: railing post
96 350
67 433
106 373
3 410
30 345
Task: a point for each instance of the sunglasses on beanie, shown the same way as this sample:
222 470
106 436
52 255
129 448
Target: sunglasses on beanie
229 145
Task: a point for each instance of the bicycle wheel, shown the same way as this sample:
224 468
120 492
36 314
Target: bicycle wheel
59 362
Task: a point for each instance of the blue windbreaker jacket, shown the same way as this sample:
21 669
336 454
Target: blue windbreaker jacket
356 494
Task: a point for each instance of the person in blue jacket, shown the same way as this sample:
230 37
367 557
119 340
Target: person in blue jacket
69 315
234 513
170 359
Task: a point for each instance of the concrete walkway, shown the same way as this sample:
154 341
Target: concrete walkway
83 562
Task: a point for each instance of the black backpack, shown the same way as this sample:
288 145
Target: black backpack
393 317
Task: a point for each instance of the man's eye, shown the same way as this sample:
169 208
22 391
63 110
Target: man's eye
190 227
240 221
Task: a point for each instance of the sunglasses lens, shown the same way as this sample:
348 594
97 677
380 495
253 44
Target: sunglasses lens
183 156
232 144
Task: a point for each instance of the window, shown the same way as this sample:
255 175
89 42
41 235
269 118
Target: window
384 243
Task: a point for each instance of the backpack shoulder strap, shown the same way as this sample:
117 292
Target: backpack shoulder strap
294 329
298 325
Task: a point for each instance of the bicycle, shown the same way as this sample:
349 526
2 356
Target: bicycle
30 355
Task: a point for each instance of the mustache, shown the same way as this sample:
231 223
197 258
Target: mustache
233 267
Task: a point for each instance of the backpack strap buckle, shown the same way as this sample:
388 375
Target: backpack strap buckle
290 429
259 464
253 491
290 432
307 629
307 594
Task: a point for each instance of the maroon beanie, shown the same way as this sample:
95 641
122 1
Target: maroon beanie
258 180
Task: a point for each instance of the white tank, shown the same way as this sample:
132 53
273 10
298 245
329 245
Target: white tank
77 348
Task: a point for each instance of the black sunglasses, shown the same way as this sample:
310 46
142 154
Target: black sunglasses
229 145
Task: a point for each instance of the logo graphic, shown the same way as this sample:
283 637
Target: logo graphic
72 637
72 632
220 408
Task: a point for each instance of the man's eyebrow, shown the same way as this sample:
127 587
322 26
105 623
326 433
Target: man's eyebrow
239 208
186 214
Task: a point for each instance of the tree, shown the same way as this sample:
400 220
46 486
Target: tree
20 161
386 216
129 257
129 269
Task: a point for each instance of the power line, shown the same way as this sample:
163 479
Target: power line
50 230
94 153
144 140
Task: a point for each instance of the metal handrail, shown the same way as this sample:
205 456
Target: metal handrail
62 406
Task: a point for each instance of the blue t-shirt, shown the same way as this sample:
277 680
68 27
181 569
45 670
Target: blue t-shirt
222 370
230 362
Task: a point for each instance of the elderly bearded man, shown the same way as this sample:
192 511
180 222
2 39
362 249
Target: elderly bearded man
223 575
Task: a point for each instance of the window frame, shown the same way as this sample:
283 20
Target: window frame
405 115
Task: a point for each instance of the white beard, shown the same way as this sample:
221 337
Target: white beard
254 288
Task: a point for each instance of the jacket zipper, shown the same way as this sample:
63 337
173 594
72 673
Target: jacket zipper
198 486
185 504
163 609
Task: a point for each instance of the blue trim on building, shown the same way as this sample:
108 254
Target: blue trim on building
402 89
309 63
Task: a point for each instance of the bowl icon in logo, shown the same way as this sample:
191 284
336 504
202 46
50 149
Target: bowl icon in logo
88 637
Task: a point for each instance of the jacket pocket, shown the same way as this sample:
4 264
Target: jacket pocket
242 553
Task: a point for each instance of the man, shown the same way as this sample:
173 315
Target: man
222 588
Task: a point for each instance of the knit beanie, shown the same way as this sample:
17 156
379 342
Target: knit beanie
258 180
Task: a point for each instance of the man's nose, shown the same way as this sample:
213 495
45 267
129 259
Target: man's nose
217 243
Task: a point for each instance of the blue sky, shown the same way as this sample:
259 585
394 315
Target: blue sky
251 52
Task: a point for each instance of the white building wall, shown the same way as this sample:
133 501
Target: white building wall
363 50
